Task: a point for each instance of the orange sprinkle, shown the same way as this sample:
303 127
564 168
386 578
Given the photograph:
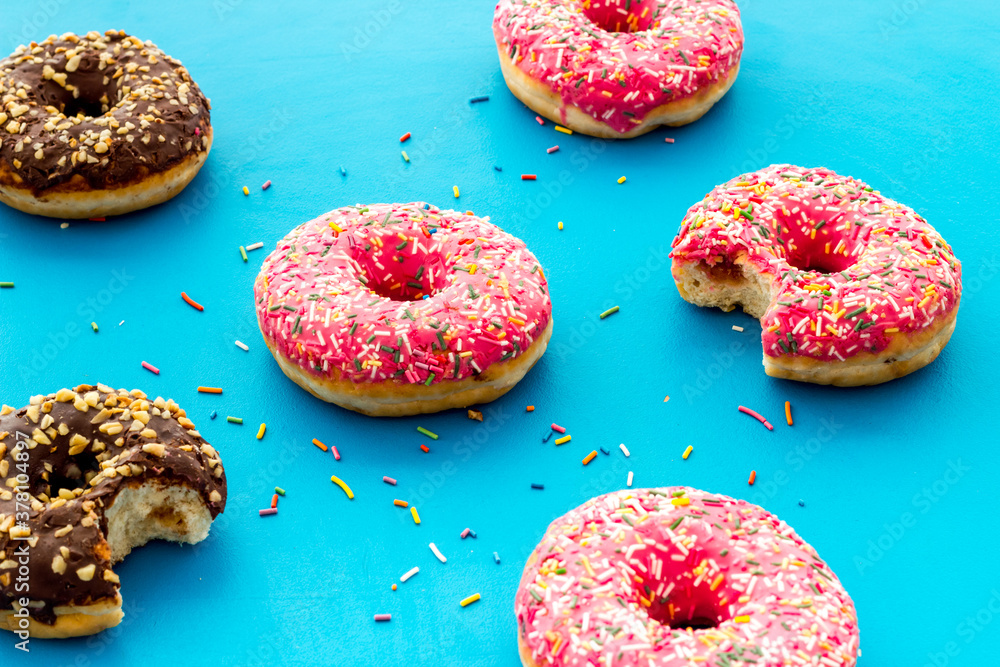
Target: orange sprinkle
191 302
320 445
394 587
425 448
589 457
209 390
400 503
404 137
530 408
753 476
274 501
788 412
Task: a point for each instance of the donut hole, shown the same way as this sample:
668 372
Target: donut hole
697 608
84 93
74 474
814 243
818 260
86 107
622 16
397 266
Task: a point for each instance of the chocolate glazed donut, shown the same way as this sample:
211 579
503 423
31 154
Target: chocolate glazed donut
97 125
87 475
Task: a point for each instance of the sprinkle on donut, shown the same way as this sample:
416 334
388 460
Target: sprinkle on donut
850 273
619 60
401 293
107 108
677 577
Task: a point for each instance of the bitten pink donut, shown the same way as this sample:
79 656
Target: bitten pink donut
399 309
619 68
851 288
677 577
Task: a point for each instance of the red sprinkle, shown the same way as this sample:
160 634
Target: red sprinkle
756 416
151 368
97 219
669 140
274 501
191 302
540 121
404 137
425 448
558 429
336 454
529 177
552 150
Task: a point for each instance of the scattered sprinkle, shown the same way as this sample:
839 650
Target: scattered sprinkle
560 225
242 346
274 501
552 150
666 398
255 246
802 503
343 172
213 414
558 429
266 185
669 140
590 457
605 450
530 408
409 573
320 445
394 587
269 511
209 390
756 416
539 119
736 328
621 180
336 452
416 517
400 503
498 167
624 450
469 600
93 325
539 487
440 556
788 412
243 254
609 311
529 177
425 449
7 285
382 617
151 368
687 452
432 436
629 481
191 302
246 190
234 420
563 440
481 98
388 480
753 477
454 189
280 491
564 130
339 482
405 156
496 557
404 137
261 431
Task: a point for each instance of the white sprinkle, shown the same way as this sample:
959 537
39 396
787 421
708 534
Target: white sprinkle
121 323
242 346
409 574
255 246
440 556
624 449
736 328
629 482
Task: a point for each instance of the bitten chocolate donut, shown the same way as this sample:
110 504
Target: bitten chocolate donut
97 125
89 473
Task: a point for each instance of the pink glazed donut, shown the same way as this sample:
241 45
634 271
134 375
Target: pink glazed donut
677 577
851 288
619 68
401 309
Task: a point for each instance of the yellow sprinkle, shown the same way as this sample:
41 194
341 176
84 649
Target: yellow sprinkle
563 440
564 130
589 457
741 619
339 482
405 156
923 302
246 191
687 452
416 517
680 502
469 600
892 330
586 565
454 189
560 225
717 582
335 227
260 431
621 180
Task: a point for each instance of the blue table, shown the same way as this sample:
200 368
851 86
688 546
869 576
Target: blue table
898 481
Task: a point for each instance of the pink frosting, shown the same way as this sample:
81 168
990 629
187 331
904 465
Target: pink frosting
620 580
850 269
343 295
616 60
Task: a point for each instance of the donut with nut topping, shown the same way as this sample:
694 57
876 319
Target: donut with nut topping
97 125
88 474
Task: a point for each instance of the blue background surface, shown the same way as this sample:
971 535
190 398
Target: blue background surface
901 94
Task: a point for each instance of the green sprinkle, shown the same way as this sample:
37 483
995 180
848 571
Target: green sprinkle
243 252
421 429
93 325
609 311
427 383
234 420
280 491
7 285
855 313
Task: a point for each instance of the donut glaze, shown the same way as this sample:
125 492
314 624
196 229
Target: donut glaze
401 295
849 275
677 577
619 60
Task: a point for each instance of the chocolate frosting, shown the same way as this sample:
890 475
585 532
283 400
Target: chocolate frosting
109 108
80 448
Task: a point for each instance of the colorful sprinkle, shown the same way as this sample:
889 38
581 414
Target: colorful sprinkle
481 98
564 130
246 190
415 515
234 420
756 416
563 440
496 557
530 408
437 553
151 368
6 285
624 450
209 390
93 325
788 412
389 480
405 156
552 150
256 246
529 177
736 328
339 482
409 574
432 436
621 180
381 618
560 225
687 452
242 346
191 302
628 482
320 445
400 503
404 137
269 511
243 254
669 140
280 491
454 190
539 487
469 600
609 311
425 449
558 429
539 119
590 457
753 477
261 431
266 185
